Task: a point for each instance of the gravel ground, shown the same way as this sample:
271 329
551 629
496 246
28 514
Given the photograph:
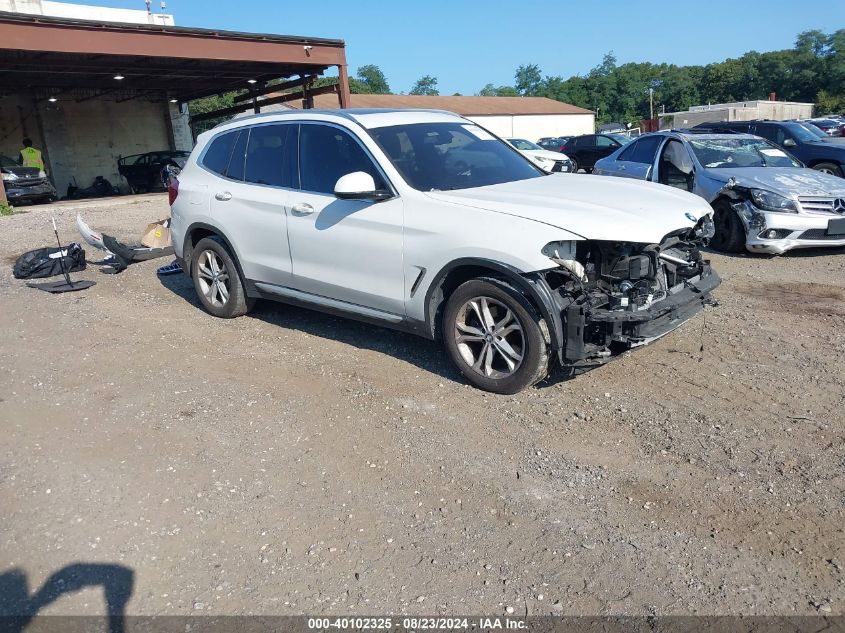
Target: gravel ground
290 462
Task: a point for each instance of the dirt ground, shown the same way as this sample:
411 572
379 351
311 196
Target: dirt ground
290 462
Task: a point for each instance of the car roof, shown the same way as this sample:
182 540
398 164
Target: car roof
366 117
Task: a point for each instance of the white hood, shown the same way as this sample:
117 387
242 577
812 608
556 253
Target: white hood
594 207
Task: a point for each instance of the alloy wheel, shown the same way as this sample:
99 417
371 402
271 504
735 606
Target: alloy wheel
213 278
489 337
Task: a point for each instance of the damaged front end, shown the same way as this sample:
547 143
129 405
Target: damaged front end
613 296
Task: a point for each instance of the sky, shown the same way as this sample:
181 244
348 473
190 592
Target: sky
469 44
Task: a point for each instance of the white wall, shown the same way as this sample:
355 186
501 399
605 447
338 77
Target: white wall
535 126
84 140
85 12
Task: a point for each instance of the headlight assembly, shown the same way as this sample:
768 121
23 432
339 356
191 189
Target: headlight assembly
9 176
705 229
770 201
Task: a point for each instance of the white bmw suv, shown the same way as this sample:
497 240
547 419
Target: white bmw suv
424 221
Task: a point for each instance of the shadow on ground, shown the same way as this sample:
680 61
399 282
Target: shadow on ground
425 354
18 607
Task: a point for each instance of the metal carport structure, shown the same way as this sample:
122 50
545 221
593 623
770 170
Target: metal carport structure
48 59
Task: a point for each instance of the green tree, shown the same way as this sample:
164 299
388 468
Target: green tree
373 80
490 90
209 104
426 85
528 80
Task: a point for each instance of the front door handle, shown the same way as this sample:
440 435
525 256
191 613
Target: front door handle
302 208
223 196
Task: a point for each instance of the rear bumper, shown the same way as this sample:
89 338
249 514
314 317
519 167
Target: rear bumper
595 336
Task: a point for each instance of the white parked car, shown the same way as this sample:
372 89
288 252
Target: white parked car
544 158
423 221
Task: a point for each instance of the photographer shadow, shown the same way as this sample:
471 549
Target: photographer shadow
18 608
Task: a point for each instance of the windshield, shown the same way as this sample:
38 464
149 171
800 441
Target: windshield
620 138
446 156
521 143
740 152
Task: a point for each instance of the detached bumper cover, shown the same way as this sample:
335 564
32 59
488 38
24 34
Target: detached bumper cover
595 336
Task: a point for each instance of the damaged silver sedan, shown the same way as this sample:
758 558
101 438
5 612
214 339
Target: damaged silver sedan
765 201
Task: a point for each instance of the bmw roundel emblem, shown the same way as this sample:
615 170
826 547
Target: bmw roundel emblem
690 217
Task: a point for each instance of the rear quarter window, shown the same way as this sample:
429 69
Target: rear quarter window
216 157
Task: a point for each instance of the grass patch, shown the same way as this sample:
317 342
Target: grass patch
6 208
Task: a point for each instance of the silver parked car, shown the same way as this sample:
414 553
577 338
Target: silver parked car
765 200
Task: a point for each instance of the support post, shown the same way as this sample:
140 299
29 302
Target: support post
343 86
3 199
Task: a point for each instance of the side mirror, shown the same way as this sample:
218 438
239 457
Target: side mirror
789 143
359 185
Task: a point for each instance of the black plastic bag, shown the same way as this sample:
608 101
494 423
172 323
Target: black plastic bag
47 262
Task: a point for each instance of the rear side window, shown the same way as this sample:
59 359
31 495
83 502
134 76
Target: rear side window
217 155
235 171
326 153
269 155
642 150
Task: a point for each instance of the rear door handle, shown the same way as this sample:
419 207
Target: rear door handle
302 208
223 196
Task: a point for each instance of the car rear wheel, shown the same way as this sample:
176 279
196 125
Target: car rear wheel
493 335
829 168
730 232
217 281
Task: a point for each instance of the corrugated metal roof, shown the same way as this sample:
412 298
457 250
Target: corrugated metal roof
467 106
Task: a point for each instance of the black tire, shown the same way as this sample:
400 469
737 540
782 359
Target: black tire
575 166
207 280
730 231
505 306
829 168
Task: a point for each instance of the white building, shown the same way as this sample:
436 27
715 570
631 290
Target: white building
85 12
530 118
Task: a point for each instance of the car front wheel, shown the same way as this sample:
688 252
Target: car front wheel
730 232
217 281
493 335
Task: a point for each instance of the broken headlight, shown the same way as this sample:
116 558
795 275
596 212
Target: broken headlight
705 229
770 201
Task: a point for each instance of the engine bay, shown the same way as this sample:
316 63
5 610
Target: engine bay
608 292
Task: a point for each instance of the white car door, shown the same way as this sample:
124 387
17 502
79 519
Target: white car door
248 202
348 250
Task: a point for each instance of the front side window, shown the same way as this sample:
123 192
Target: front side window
217 155
448 156
603 142
268 155
326 153
676 168
724 153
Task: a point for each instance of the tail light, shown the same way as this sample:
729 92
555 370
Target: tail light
172 189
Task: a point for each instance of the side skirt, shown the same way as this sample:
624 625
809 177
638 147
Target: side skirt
282 294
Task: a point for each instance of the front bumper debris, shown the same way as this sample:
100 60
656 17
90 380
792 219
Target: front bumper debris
595 336
794 230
